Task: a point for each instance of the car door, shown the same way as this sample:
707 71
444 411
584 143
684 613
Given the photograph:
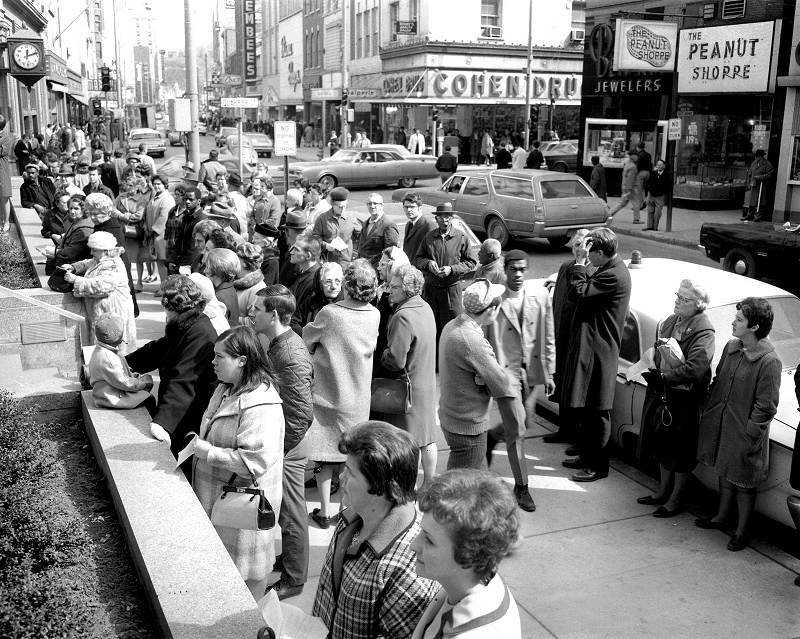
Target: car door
387 170
473 200
626 415
451 189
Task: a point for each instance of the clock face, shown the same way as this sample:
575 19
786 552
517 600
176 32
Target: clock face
27 56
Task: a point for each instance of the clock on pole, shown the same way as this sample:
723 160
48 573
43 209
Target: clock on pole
26 57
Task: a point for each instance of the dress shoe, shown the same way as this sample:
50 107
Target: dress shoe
524 499
555 438
572 451
738 542
588 475
649 500
709 524
663 512
647 228
284 590
322 522
575 463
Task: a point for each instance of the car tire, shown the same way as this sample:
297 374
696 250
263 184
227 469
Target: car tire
560 240
741 262
407 183
559 167
328 181
269 154
497 230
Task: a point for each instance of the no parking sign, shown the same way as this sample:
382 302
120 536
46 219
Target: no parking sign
285 138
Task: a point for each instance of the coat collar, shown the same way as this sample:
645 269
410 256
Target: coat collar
393 526
251 279
258 397
356 305
415 301
763 347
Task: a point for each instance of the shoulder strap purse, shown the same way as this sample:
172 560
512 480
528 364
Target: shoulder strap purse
391 395
243 508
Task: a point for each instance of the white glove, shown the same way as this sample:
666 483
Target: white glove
159 433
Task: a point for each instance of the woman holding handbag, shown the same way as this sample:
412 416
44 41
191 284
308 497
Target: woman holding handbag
240 444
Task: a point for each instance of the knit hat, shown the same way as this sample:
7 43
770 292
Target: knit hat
109 329
479 295
102 240
339 194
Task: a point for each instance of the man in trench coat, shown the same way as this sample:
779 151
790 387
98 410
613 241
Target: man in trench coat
591 369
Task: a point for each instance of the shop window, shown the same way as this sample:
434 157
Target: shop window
733 9
490 19
476 186
610 140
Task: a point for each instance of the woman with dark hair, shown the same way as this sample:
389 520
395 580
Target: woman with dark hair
368 587
55 218
341 340
73 245
155 223
326 289
241 436
469 524
183 358
734 428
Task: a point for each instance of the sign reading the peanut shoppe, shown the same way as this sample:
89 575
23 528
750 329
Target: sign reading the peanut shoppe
730 59
645 46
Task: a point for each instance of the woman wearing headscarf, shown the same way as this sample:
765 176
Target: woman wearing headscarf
327 289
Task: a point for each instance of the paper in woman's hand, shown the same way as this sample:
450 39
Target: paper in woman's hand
186 452
634 373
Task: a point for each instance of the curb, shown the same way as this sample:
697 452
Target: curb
660 236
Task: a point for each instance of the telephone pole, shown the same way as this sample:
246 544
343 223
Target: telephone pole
191 84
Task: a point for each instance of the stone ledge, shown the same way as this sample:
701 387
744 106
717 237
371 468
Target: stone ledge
192 584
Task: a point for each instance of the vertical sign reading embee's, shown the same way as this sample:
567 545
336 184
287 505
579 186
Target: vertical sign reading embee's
250 67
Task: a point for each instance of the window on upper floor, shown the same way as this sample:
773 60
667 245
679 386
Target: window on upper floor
394 16
375 30
733 9
490 19
413 9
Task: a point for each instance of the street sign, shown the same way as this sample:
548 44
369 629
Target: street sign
240 103
674 132
326 94
232 80
285 138
402 27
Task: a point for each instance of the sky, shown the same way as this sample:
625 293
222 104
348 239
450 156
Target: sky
171 24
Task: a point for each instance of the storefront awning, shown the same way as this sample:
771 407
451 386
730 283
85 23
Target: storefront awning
79 98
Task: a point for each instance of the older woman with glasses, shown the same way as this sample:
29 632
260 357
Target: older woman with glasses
675 391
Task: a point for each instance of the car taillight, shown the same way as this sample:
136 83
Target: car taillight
538 212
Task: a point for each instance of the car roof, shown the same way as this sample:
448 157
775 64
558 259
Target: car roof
525 174
140 131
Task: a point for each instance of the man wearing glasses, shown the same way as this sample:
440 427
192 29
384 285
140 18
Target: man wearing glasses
417 227
590 373
443 258
336 229
379 232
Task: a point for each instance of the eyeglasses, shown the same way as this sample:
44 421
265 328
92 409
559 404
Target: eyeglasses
683 299
413 207
374 203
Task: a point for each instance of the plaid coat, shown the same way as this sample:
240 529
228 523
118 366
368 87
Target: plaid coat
380 595
245 432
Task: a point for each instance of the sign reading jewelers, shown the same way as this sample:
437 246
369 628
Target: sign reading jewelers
645 46
736 58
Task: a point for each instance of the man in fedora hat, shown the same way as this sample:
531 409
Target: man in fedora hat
296 224
225 215
443 257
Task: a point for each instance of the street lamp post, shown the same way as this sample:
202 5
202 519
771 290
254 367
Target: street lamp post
191 84
528 79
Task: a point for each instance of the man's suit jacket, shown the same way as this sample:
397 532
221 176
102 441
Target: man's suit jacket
415 233
375 237
534 333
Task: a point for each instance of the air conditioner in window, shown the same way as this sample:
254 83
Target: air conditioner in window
577 35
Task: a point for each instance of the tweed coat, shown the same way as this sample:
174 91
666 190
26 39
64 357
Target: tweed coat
590 372
246 436
412 346
734 427
103 288
341 340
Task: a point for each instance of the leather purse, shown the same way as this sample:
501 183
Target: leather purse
243 508
391 395
134 231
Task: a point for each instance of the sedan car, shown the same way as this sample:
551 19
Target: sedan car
653 284
261 142
172 169
562 157
222 135
372 166
753 249
248 152
175 138
202 128
152 138
509 203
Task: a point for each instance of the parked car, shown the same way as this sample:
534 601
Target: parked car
508 203
222 135
248 152
175 138
372 166
753 249
261 142
152 138
202 128
172 169
562 156
652 300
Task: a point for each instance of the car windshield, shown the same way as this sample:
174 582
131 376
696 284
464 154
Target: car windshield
785 334
342 155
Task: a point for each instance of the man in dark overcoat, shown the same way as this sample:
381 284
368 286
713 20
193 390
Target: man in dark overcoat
417 227
590 373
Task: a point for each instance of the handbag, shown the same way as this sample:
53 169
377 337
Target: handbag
391 395
58 283
134 231
243 508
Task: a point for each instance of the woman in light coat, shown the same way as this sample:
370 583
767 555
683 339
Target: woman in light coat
341 340
155 223
102 284
734 428
132 204
411 347
241 441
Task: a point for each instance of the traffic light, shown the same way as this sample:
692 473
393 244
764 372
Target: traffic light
97 107
105 79
345 96
435 117
534 114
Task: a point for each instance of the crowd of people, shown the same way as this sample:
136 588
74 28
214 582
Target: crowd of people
280 324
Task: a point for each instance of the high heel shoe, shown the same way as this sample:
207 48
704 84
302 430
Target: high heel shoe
649 500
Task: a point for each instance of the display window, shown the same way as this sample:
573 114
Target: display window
610 140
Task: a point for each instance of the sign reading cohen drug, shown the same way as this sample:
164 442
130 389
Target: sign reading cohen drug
729 59
645 46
